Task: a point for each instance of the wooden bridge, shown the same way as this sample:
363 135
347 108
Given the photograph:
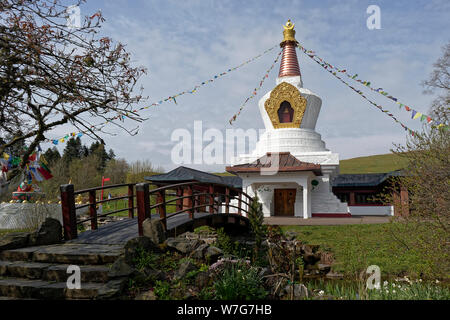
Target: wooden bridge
195 204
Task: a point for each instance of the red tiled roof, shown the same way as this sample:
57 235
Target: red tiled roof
281 162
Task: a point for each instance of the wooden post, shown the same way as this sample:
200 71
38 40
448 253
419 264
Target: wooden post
179 202
196 203
143 204
190 201
352 199
227 200
130 201
404 200
93 209
161 209
68 211
211 198
240 204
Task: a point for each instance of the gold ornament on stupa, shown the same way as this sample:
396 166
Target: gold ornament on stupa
289 32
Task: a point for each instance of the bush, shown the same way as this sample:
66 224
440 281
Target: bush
144 259
162 290
240 282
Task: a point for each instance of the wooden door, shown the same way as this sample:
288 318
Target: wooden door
285 202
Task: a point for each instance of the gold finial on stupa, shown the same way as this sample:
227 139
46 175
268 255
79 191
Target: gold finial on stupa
289 32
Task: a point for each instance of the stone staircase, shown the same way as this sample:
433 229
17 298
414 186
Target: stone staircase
41 272
327 202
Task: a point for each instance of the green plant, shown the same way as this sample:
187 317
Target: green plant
144 259
203 267
204 230
206 293
256 218
240 282
169 261
162 290
399 289
224 242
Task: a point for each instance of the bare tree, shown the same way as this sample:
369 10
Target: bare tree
439 83
427 178
53 75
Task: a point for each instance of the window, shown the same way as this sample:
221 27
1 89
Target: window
285 112
367 198
344 197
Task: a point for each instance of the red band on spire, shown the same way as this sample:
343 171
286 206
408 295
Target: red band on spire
289 63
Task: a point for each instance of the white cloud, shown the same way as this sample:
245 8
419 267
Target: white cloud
185 42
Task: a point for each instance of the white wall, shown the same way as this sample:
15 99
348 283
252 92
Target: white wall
371 210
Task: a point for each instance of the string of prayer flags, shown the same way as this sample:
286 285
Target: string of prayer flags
255 91
367 84
173 98
319 61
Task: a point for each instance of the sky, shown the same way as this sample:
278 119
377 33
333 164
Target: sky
183 43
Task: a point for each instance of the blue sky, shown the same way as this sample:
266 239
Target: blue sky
182 43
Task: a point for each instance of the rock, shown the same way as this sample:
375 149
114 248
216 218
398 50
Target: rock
14 241
148 296
300 291
326 258
334 275
212 254
140 242
291 235
155 274
112 289
184 269
154 229
120 268
50 232
310 258
310 248
199 253
202 280
265 272
324 268
189 235
183 245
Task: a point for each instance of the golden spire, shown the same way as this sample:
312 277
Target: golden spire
289 32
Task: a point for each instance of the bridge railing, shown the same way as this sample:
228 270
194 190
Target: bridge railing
188 197
188 200
69 206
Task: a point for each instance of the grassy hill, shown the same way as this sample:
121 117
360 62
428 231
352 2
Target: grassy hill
372 164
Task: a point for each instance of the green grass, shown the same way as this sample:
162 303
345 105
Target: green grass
4 232
373 164
355 247
398 289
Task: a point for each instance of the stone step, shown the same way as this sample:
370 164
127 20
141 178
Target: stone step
77 254
51 272
39 289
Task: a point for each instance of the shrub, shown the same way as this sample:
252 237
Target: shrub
162 290
240 282
144 259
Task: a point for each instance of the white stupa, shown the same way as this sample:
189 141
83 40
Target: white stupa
291 168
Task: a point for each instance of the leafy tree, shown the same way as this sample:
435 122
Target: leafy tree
51 75
98 149
52 155
117 171
73 150
111 154
256 218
